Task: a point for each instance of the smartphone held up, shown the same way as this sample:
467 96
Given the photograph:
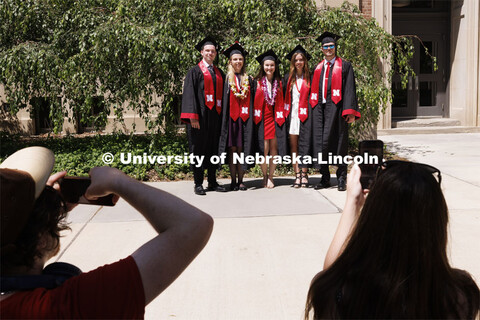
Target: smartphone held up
73 191
368 148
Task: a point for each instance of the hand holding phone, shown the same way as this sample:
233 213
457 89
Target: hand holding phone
366 149
73 191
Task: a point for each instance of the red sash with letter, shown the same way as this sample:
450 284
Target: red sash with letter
208 87
259 102
239 107
302 102
336 84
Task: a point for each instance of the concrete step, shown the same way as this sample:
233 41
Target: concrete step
427 130
425 122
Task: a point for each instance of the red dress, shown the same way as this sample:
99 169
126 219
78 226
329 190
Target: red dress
268 122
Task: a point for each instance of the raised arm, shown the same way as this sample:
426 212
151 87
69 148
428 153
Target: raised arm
183 229
348 220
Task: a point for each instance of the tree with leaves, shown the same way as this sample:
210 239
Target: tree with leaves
131 50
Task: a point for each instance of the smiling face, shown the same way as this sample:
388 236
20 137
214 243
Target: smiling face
328 50
236 60
269 68
299 63
209 53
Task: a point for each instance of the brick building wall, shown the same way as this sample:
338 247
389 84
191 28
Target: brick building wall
366 8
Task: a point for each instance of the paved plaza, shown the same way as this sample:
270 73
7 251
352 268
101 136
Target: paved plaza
268 244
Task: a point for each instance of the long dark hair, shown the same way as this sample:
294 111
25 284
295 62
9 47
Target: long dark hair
395 264
261 72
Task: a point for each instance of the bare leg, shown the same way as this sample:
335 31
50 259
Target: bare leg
272 166
294 149
304 177
266 147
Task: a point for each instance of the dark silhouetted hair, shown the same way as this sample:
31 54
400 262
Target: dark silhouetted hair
395 263
47 218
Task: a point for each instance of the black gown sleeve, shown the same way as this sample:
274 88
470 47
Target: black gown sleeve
222 143
350 104
189 98
248 128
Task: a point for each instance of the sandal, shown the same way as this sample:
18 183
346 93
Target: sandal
304 175
298 177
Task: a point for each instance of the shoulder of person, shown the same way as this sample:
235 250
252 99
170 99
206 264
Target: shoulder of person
345 63
221 71
195 71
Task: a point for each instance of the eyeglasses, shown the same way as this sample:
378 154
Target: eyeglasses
393 163
332 46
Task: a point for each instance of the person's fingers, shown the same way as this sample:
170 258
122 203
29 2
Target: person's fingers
355 173
54 178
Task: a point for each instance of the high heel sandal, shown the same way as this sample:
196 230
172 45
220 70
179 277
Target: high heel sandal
304 175
298 177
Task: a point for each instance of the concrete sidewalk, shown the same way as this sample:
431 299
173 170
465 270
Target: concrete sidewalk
268 244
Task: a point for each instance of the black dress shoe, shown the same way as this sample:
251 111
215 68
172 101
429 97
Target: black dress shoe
242 187
322 185
199 190
216 187
342 185
233 187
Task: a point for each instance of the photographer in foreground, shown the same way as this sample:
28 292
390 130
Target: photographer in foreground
388 259
33 213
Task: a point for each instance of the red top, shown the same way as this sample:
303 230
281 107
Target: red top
111 291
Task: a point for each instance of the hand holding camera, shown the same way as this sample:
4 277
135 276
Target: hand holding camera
78 190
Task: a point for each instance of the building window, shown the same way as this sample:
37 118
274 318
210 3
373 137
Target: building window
41 108
95 118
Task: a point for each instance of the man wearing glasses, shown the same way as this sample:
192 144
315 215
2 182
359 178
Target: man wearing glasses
334 105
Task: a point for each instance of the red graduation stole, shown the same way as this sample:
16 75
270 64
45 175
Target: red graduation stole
259 102
336 84
239 107
302 102
208 87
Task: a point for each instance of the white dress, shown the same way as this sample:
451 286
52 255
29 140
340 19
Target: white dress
294 120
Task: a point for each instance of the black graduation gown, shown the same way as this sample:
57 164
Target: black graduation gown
328 128
247 125
280 133
304 142
203 141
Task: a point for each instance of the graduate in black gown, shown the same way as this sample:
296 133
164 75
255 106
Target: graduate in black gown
270 137
201 110
296 87
333 100
237 115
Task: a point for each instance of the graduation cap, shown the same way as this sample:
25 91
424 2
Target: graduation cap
298 49
267 55
328 37
207 40
235 48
